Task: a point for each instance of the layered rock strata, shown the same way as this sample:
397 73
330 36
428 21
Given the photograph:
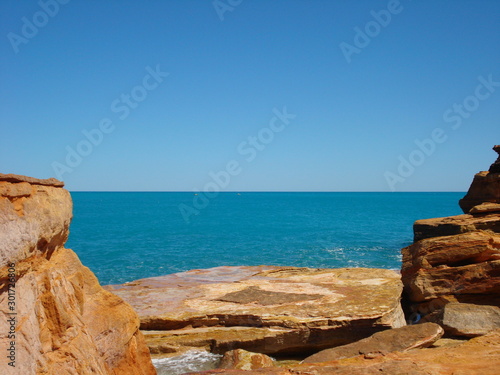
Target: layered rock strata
480 219
463 264
451 273
56 318
271 310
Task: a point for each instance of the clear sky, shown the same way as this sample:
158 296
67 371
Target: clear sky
282 95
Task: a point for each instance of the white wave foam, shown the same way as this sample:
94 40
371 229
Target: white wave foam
191 361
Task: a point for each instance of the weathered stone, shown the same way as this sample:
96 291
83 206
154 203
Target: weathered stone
222 339
244 360
452 225
14 178
34 220
485 208
468 263
466 320
381 343
277 310
479 356
495 167
448 342
65 322
484 188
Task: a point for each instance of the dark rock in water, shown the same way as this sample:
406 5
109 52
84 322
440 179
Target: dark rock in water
485 187
381 343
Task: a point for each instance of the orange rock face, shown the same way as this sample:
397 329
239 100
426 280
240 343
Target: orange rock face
463 264
63 322
451 225
451 274
485 187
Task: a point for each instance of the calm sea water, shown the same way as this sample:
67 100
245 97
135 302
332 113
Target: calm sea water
127 236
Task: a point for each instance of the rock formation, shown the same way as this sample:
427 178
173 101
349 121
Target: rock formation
495 167
245 360
451 276
465 319
270 310
485 186
459 265
56 318
451 273
478 356
482 217
382 343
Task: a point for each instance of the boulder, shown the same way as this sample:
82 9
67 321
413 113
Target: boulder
65 323
271 310
465 319
463 264
34 217
485 187
244 360
381 343
480 355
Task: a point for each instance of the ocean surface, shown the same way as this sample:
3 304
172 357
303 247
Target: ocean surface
127 236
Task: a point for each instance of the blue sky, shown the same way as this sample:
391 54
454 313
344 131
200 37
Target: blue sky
282 95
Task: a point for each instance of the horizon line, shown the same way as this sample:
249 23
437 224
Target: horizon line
265 191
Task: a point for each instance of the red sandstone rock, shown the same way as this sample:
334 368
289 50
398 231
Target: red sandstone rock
244 360
381 343
485 208
15 178
465 319
451 225
485 187
271 310
66 323
467 263
479 356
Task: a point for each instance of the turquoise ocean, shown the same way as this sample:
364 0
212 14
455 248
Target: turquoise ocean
124 236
